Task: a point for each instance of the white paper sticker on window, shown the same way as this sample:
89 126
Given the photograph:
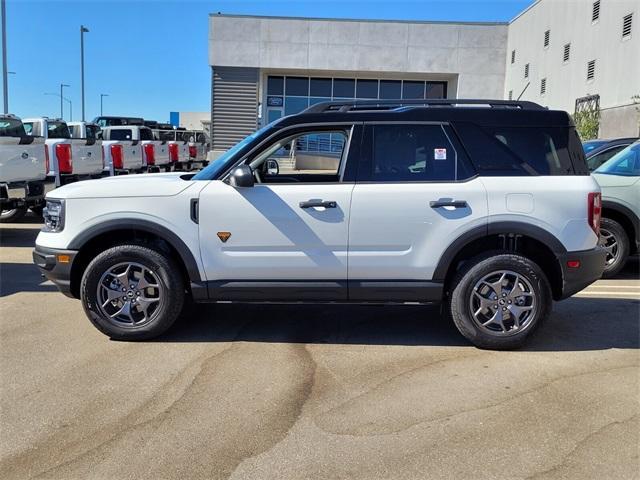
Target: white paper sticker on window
440 153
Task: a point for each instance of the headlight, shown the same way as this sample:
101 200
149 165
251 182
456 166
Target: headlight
53 214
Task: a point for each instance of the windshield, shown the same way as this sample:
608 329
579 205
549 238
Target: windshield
10 127
224 161
592 145
625 163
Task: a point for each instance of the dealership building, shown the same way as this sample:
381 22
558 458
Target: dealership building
553 53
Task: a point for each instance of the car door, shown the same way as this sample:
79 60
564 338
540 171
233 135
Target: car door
415 194
284 238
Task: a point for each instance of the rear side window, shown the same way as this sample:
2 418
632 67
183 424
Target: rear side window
521 151
58 130
11 128
414 152
120 134
146 134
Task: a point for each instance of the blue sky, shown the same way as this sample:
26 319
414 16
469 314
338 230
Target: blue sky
150 56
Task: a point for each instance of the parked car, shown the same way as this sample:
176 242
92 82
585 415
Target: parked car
70 159
603 152
115 121
123 150
619 179
23 169
468 204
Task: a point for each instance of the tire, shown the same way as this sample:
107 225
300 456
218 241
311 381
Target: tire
13 215
615 241
152 309
470 293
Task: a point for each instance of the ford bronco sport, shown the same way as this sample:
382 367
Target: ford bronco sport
485 207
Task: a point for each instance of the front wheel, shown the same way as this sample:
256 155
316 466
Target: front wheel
614 240
132 292
497 301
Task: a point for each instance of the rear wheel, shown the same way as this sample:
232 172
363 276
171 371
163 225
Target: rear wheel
613 238
497 301
132 292
13 215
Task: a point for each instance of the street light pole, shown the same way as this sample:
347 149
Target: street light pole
5 87
102 95
83 30
66 100
62 85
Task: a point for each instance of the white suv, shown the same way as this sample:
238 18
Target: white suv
485 206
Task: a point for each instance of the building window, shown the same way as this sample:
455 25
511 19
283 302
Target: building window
626 25
547 37
510 94
367 89
513 56
526 71
591 70
412 90
297 86
595 13
567 53
543 86
320 87
390 89
275 86
344 87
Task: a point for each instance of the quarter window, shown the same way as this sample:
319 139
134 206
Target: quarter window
404 153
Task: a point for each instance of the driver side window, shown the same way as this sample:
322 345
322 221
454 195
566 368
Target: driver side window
312 156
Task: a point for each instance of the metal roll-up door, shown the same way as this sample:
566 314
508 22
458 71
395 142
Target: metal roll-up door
234 105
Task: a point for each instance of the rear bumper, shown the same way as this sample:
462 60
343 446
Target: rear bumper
24 193
55 265
574 279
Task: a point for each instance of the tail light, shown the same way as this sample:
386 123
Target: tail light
63 154
193 151
150 153
47 165
173 152
594 207
117 156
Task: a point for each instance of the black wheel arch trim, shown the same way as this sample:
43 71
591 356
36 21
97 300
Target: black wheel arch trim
146 226
495 228
628 213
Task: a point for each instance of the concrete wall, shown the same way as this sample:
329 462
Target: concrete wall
620 122
471 52
617 73
193 120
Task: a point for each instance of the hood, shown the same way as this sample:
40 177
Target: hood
605 180
134 185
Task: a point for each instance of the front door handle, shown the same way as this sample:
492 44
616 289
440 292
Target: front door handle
318 203
448 203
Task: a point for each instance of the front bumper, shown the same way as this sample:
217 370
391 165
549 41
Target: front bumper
591 265
55 264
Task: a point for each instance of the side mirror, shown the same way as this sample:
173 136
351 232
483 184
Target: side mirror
242 176
272 167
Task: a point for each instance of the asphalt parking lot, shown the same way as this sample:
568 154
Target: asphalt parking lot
289 391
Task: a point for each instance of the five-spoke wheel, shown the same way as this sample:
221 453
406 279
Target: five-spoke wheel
614 239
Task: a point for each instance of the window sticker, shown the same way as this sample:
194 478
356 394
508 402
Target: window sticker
440 153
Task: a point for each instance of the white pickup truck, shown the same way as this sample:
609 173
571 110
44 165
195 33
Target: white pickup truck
23 169
70 159
133 149
177 145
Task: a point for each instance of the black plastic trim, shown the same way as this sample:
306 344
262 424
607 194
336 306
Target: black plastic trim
146 226
193 210
592 264
495 228
383 291
58 273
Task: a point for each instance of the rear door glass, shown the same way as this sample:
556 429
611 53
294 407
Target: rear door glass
120 134
58 130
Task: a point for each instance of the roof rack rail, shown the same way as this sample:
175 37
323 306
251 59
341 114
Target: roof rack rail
359 105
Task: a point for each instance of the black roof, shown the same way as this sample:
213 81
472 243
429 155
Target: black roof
479 111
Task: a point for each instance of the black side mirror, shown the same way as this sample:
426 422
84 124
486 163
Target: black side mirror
242 176
272 167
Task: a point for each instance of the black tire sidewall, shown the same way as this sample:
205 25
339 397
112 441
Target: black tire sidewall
17 214
476 269
623 246
168 274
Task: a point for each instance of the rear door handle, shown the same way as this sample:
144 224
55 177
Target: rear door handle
448 203
318 203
